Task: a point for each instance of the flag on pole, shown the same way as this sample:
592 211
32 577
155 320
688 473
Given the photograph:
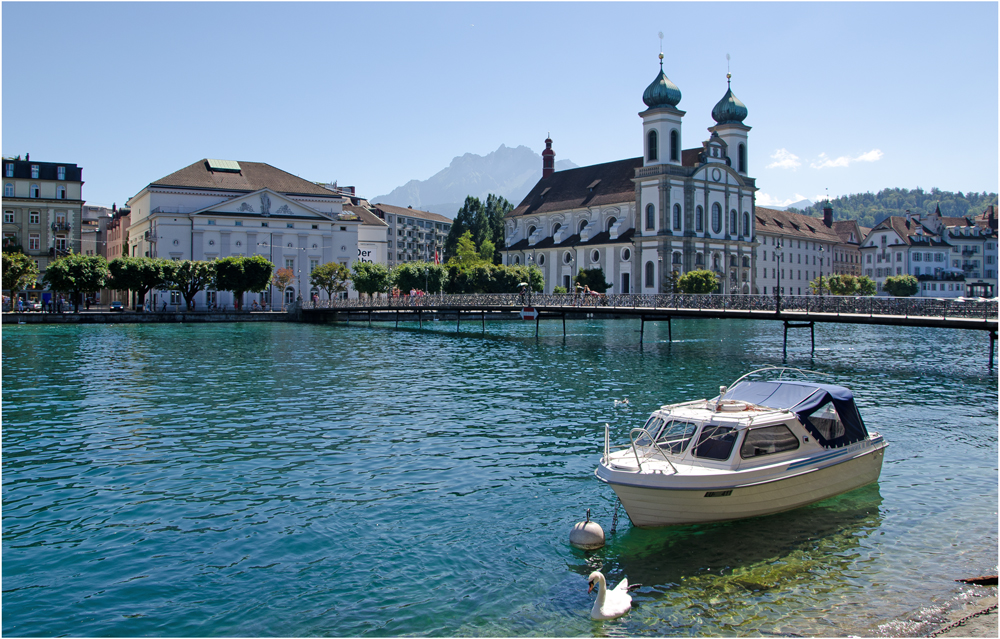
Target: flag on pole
436 257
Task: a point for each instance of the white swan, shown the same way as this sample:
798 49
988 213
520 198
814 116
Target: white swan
610 604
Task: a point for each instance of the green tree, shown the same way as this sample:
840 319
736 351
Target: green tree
465 253
331 277
842 284
242 275
820 285
594 278
423 276
77 274
497 208
136 274
19 272
484 222
866 286
901 285
370 277
487 251
698 282
190 277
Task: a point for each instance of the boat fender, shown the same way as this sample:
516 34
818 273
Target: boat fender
587 535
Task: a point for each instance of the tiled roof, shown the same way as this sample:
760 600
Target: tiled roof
844 228
576 188
253 176
408 212
906 229
367 217
786 223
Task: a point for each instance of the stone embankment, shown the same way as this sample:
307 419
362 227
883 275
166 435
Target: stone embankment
153 317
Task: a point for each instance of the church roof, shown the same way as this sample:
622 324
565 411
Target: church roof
729 109
661 92
242 177
594 185
795 225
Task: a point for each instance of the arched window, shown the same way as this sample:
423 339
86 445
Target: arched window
34 190
517 260
676 258
675 145
611 222
746 261
61 193
583 225
733 228
746 224
8 190
555 228
651 146
649 275
699 219
531 231
677 217
289 295
650 217
742 159
716 218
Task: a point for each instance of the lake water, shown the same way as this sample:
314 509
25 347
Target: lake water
301 480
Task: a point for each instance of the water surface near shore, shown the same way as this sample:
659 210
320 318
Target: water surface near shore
296 480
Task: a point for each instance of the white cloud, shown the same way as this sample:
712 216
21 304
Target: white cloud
824 162
783 159
765 200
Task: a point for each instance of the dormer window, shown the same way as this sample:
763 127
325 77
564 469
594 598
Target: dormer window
34 171
61 173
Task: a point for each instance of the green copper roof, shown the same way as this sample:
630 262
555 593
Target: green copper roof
729 110
662 92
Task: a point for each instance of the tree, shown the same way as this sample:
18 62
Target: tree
497 208
901 285
820 284
465 253
19 272
486 251
593 278
331 277
77 274
190 277
866 286
370 278
842 284
484 222
424 276
698 282
281 279
243 274
136 274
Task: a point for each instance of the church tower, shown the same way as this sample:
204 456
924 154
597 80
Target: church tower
661 122
548 159
729 114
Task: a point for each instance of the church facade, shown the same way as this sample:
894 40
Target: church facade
650 219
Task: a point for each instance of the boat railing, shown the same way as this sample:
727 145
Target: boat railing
635 449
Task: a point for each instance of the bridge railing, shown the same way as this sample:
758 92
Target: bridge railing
830 304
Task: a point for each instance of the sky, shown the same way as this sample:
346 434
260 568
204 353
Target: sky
842 97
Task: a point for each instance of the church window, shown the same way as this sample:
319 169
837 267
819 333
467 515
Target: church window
676 258
677 217
746 224
583 225
611 222
716 218
675 146
732 222
649 275
555 228
699 222
651 153
650 217
742 158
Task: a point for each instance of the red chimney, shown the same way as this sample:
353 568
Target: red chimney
828 215
548 159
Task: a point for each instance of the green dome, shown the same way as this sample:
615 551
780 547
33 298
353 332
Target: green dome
729 110
662 92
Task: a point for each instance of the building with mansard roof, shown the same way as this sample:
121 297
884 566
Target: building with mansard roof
647 220
793 250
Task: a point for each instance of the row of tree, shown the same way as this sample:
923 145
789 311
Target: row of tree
483 221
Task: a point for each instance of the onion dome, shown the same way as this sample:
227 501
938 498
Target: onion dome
662 92
729 110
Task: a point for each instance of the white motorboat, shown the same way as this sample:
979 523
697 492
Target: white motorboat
760 447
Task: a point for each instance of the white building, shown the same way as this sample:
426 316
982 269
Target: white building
794 250
650 219
414 236
221 208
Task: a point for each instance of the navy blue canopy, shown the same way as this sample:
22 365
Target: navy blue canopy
805 399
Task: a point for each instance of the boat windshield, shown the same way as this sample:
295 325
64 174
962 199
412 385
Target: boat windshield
671 435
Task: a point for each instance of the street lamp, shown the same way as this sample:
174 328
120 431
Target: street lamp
778 252
821 251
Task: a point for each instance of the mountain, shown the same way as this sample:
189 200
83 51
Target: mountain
871 208
507 172
798 206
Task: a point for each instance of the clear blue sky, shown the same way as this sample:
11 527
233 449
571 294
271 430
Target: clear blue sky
849 97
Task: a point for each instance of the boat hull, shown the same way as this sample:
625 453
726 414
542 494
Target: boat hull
651 506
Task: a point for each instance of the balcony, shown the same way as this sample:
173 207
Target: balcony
62 226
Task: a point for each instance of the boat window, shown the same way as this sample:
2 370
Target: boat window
716 442
827 422
767 441
675 436
652 427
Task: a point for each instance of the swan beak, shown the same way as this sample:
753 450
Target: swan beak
590 587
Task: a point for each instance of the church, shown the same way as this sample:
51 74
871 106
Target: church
647 220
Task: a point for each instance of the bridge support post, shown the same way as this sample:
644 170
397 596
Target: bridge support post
564 328
420 318
369 318
458 327
993 341
484 322
538 316
397 318
642 326
812 335
670 330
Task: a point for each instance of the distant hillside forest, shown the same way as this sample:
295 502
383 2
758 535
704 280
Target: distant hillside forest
871 208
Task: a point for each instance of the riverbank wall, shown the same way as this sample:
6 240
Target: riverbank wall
154 317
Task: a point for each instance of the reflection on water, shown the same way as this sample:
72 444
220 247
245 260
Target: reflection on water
280 480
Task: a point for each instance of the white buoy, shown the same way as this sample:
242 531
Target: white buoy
587 535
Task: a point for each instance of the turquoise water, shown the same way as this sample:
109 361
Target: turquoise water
298 480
